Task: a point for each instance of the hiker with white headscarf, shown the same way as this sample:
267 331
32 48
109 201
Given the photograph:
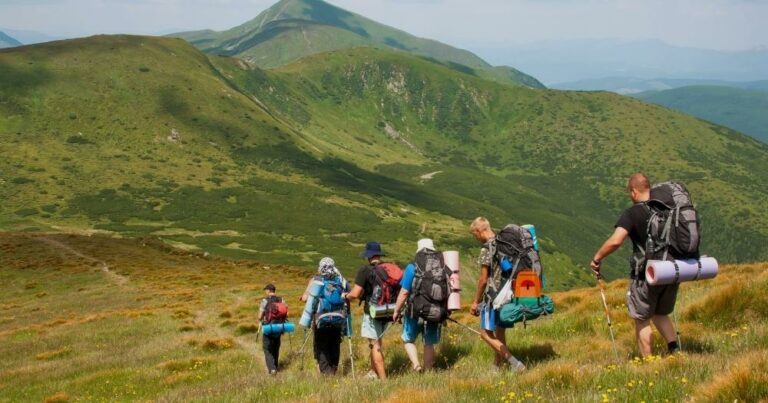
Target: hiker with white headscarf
329 321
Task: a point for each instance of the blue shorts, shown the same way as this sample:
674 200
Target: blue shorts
489 318
411 328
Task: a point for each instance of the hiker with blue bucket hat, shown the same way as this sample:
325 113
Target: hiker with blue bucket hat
377 284
328 314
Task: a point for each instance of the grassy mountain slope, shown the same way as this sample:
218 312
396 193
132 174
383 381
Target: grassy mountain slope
94 318
7 41
292 29
322 155
742 110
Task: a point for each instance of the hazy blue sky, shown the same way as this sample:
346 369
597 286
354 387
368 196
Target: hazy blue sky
716 24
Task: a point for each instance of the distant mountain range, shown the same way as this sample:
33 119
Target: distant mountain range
28 37
7 41
740 109
555 62
634 85
293 29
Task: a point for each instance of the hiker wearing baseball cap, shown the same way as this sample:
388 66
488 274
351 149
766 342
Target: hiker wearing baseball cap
273 309
377 284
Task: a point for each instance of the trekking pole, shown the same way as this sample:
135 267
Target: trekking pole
349 339
258 332
601 286
351 357
465 326
677 329
301 350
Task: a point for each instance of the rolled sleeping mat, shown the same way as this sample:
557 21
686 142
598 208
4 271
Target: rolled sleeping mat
661 272
309 310
381 311
278 328
532 230
454 301
451 259
316 288
454 298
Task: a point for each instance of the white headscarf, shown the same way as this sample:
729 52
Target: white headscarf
327 268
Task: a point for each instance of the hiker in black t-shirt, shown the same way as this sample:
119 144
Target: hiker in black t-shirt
646 303
372 329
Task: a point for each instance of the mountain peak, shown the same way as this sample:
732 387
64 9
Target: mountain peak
292 29
6 41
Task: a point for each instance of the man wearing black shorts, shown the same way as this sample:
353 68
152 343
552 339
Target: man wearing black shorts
646 303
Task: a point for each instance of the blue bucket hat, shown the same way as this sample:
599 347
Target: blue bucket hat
372 249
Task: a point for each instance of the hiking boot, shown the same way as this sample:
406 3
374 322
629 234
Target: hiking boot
273 372
371 375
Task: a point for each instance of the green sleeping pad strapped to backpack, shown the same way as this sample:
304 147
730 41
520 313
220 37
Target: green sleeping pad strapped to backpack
524 309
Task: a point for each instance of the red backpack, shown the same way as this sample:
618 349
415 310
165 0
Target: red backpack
386 283
276 310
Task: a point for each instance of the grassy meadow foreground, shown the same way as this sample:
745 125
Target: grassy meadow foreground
98 318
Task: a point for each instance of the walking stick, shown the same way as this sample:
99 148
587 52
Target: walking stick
349 340
465 326
601 286
301 350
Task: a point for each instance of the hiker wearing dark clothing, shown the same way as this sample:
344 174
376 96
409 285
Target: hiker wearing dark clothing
646 303
490 279
371 284
272 310
329 324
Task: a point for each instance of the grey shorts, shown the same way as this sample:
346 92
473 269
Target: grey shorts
372 328
644 300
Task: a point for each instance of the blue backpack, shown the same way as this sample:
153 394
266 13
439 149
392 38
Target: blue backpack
331 308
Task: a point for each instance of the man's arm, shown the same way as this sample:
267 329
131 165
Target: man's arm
262 308
610 246
399 304
356 292
482 282
305 296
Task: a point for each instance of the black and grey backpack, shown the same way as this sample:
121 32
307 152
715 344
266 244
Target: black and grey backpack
515 244
674 230
431 287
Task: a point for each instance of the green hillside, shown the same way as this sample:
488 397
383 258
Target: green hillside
320 156
7 41
292 29
739 109
103 319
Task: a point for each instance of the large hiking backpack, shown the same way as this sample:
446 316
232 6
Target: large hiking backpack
515 251
430 288
386 284
331 308
515 245
276 310
673 228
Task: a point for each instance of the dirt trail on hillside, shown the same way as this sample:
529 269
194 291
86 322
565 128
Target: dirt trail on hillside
103 266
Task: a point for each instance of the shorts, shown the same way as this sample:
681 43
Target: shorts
645 301
489 317
413 326
372 328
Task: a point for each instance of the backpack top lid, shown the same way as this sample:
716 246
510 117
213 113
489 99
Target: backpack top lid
670 195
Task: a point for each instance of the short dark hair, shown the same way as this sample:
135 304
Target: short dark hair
638 182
